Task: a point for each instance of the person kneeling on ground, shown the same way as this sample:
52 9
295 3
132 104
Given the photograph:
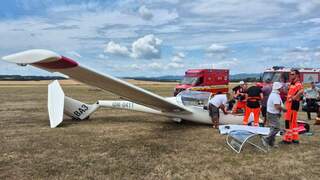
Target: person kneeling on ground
239 96
274 108
217 102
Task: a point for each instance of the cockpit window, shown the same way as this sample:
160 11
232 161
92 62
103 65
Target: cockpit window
275 76
189 80
194 98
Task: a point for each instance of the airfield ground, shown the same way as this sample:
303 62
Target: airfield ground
118 144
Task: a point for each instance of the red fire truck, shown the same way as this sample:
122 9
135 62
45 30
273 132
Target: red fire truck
210 80
281 74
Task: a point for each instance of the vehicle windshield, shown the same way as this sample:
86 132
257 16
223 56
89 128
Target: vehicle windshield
194 98
275 76
189 80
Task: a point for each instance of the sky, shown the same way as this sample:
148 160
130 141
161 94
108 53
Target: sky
164 37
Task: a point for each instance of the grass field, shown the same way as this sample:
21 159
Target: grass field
118 144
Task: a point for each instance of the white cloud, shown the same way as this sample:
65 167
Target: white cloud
103 56
216 48
155 66
135 67
178 57
317 55
189 27
306 7
147 47
313 20
228 64
300 57
145 13
72 8
74 54
175 65
235 9
300 49
114 48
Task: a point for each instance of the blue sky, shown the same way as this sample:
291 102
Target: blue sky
164 37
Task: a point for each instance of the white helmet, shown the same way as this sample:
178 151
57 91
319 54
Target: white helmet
241 82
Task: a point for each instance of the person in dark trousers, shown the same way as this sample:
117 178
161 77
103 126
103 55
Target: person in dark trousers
274 108
253 97
312 96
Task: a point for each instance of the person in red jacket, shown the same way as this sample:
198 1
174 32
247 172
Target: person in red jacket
292 105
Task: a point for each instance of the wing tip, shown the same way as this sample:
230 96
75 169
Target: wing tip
31 56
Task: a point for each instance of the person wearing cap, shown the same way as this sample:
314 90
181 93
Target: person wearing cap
312 95
274 108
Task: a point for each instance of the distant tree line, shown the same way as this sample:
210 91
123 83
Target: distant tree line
249 79
233 78
28 78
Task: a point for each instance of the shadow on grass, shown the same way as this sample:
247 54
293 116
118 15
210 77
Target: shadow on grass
163 122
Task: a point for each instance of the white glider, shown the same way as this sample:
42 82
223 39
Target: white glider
188 105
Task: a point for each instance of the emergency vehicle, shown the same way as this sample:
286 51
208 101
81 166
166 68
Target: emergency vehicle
281 74
209 80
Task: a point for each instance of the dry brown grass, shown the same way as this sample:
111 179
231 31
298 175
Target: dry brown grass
118 144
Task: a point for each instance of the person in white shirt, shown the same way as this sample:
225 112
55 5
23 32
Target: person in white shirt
217 102
274 108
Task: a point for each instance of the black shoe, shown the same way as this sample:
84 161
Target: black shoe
285 142
295 141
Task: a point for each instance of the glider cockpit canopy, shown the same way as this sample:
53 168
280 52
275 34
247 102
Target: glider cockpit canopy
194 98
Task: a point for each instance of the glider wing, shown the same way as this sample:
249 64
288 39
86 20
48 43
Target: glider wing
53 62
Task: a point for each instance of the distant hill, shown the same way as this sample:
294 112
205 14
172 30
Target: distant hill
28 78
248 77
159 78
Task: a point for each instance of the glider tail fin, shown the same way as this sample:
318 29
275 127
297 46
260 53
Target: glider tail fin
55 103
59 104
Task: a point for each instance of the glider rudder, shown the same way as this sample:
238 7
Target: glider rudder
59 104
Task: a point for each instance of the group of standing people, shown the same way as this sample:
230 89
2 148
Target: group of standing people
268 100
292 103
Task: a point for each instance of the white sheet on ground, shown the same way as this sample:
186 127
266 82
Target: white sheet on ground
225 129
